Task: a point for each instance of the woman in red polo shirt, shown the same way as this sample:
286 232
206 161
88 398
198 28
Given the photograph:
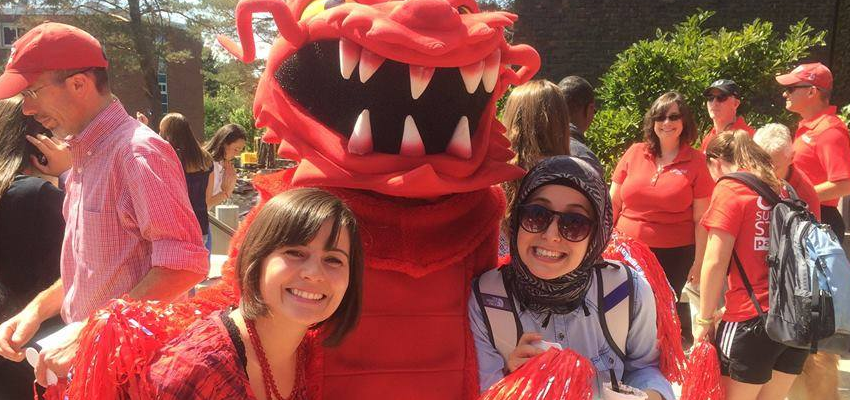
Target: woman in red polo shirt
661 188
738 222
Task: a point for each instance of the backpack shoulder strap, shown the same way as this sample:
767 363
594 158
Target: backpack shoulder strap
497 307
756 184
747 285
615 304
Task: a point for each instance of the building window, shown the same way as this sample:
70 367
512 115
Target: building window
162 78
10 33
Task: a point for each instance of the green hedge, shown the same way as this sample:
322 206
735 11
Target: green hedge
687 59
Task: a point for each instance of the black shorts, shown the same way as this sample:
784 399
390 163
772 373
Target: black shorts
748 355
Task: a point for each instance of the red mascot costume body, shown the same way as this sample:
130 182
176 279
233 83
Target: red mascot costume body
410 141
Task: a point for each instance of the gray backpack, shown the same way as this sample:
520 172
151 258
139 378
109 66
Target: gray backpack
808 309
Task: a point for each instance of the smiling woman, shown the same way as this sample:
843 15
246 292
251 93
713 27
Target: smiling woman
551 289
299 271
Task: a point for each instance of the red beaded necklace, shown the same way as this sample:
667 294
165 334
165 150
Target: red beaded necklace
268 378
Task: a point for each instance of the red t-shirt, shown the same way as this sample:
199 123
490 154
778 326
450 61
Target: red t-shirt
738 210
805 190
657 206
739 124
822 150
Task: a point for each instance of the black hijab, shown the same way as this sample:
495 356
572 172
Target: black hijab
564 294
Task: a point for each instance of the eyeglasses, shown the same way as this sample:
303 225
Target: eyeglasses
671 117
33 93
574 227
791 89
720 98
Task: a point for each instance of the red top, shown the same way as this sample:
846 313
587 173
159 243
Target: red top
739 124
208 362
738 210
803 186
657 206
822 149
126 211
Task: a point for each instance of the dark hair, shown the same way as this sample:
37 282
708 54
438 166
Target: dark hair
100 75
224 136
175 128
659 108
577 92
15 150
737 147
538 124
292 218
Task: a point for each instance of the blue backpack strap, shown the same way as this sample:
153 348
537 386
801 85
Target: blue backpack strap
497 307
615 304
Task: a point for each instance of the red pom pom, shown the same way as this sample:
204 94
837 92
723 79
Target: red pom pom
703 380
555 374
638 256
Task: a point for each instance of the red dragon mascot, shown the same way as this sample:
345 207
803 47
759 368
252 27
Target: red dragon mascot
391 106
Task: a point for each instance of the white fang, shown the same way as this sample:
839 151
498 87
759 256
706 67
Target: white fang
369 63
411 142
491 70
472 76
461 144
360 142
420 77
349 54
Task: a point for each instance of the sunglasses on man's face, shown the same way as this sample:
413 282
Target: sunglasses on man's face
791 89
574 227
671 117
720 98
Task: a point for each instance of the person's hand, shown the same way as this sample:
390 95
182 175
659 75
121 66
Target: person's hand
228 180
693 274
524 350
16 332
141 117
653 395
702 332
56 152
59 358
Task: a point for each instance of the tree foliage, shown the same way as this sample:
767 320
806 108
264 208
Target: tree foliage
687 59
229 87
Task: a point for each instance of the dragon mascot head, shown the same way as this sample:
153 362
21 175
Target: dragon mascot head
395 97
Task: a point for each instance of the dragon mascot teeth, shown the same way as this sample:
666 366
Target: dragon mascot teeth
391 106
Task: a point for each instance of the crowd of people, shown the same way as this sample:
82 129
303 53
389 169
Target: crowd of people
90 211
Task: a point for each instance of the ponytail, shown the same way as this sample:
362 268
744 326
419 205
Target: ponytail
737 147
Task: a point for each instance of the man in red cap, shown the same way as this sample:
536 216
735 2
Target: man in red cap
129 226
821 152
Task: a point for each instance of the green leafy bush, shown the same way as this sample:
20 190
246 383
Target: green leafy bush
687 59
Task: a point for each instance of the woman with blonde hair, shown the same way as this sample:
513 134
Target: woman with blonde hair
538 124
197 166
738 224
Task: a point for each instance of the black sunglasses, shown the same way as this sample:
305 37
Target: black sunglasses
791 89
574 227
720 97
671 117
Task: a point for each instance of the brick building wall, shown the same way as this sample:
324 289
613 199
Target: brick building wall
185 83
583 37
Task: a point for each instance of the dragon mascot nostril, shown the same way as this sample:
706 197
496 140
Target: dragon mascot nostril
391 106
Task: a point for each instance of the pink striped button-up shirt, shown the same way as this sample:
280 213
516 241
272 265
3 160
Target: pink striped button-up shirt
126 210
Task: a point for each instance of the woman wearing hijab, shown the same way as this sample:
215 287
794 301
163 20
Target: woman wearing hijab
561 224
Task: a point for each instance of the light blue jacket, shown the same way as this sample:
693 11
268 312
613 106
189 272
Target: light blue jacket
583 334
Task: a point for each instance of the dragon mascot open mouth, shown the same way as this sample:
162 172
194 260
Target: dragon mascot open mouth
395 97
391 106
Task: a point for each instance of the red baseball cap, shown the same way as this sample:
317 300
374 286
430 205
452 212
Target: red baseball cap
815 74
49 46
